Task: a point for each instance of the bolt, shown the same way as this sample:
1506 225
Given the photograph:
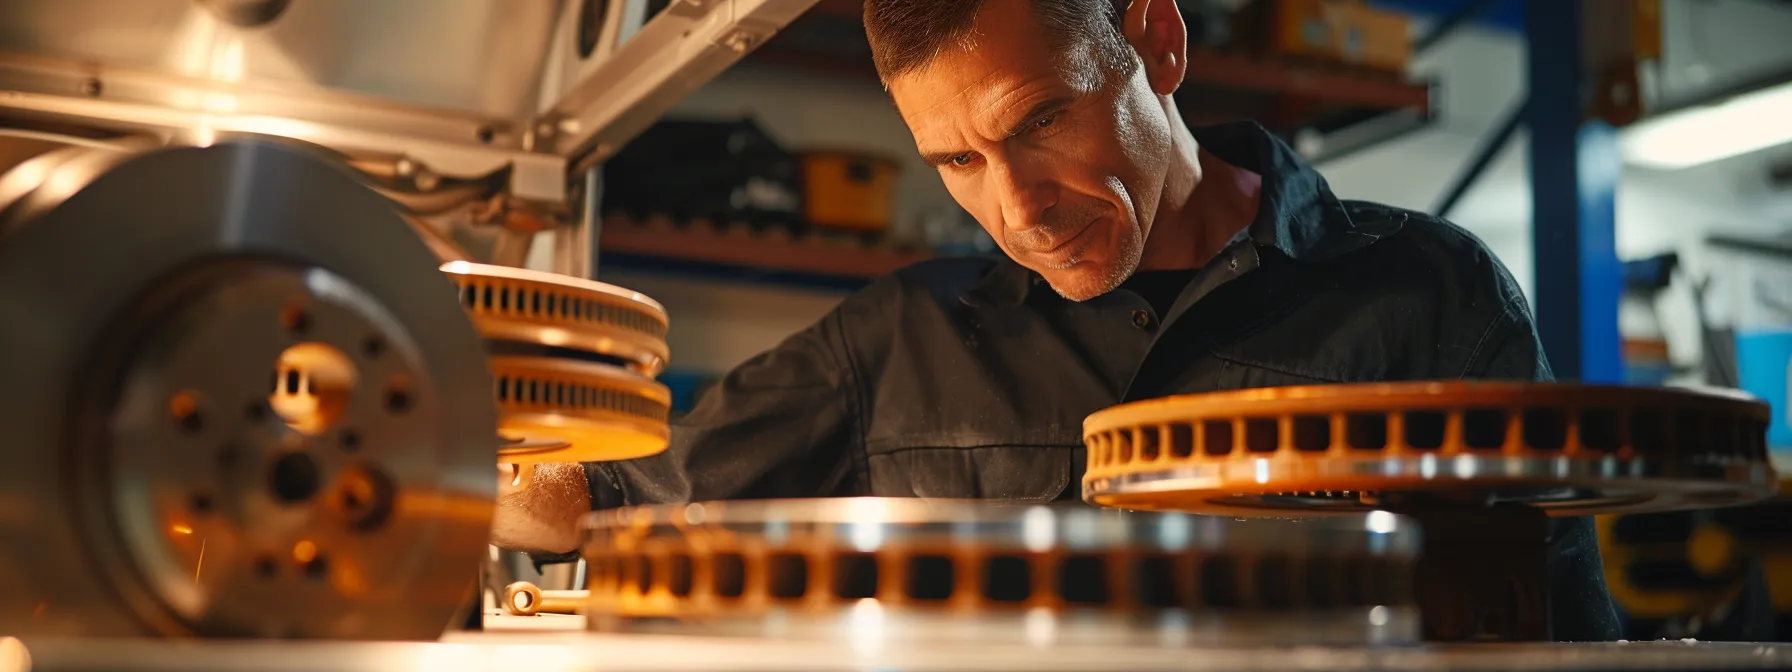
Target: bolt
373 346
92 87
740 42
398 401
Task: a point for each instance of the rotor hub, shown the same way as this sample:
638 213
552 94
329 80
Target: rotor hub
242 387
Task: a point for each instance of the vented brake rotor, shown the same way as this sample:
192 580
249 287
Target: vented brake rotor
574 362
605 322
906 572
588 411
240 401
1569 449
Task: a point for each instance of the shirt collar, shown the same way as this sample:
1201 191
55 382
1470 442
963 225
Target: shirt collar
1297 215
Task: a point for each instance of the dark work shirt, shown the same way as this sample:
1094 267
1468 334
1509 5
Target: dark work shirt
970 377
1159 289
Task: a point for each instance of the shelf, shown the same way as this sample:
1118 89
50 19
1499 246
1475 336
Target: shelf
841 262
1336 86
1285 96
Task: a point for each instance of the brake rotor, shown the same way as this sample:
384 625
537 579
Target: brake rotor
1571 450
574 362
577 317
588 412
895 572
235 381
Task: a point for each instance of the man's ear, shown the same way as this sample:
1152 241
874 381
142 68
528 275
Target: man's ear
1156 31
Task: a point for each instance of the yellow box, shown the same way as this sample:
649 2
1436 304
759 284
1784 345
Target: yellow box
849 190
1343 31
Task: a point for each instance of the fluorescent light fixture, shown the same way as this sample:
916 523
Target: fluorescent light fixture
1741 124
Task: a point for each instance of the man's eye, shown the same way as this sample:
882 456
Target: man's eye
1045 121
961 160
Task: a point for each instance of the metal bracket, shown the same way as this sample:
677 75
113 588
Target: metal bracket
191 111
676 52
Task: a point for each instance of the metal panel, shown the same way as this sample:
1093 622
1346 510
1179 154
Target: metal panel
448 84
478 56
192 112
677 51
1574 175
466 87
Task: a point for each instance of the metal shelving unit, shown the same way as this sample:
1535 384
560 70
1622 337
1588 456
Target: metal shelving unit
1349 108
774 256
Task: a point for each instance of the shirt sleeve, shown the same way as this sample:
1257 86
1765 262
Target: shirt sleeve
779 425
1581 607
1509 348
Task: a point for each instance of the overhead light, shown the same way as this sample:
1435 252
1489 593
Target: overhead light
1741 124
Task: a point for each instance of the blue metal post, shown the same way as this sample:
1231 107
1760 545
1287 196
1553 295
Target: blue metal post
1574 175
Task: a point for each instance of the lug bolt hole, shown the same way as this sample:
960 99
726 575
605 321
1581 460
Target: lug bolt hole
311 562
364 497
398 401
184 407
317 568
373 347
293 478
295 319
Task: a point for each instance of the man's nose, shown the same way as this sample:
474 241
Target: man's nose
1025 192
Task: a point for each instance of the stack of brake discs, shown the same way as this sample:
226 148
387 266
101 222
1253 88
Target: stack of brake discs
573 363
1483 467
1567 449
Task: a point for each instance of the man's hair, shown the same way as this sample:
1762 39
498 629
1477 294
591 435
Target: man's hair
907 35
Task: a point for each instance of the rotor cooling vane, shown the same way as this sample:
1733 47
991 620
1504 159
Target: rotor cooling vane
237 404
909 571
574 363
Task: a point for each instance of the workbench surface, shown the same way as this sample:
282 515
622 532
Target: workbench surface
551 643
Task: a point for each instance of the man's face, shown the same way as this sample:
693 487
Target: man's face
1062 163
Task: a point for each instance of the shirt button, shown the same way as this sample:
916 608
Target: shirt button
1232 264
1142 319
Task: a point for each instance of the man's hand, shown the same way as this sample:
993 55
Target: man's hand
539 507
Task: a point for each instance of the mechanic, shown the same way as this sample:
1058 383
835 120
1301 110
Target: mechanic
1144 258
